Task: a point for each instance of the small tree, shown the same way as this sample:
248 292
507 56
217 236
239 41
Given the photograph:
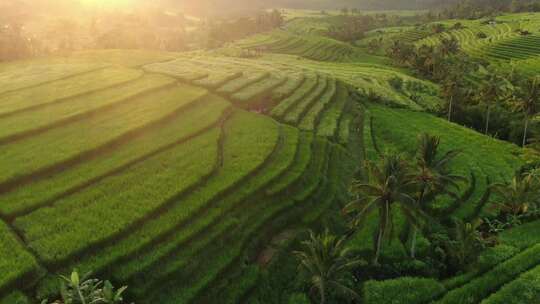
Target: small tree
437 28
518 195
451 90
527 101
493 89
432 175
465 242
388 184
326 263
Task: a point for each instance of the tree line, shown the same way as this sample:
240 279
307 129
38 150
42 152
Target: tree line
220 32
151 29
493 100
474 9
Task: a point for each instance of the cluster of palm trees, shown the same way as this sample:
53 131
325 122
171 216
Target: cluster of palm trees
410 186
427 60
516 93
393 183
446 64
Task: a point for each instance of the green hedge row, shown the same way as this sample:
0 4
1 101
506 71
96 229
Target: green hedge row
523 290
483 286
405 290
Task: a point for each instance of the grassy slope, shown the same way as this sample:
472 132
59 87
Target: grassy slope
61 111
106 209
15 261
61 144
203 115
397 129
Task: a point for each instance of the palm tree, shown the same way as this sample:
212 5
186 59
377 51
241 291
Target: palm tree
395 50
401 52
518 195
535 175
388 184
465 243
492 90
426 59
433 171
432 175
450 90
326 263
528 102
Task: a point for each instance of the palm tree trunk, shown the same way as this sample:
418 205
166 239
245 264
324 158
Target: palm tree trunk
413 243
383 217
323 294
415 230
487 119
525 130
450 108
379 245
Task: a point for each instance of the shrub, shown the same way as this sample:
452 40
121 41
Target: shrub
437 28
396 82
298 298
406 290
491 257
481 35
79 290
522 236
483 286
15 298
526 289
414 268
458 26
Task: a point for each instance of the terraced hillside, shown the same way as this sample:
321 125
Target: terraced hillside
302 45
486 162
508 275
517 258
148 168
507 39
177 173
483 164
510 39
385 36
493 159
311 46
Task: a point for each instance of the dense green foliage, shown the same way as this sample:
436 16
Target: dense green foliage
403 290
191 177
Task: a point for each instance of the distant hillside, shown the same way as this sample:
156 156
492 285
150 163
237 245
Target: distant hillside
213 7
310 4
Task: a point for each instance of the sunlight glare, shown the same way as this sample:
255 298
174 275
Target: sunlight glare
107 3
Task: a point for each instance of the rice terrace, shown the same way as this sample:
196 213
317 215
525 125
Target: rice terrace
270 152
